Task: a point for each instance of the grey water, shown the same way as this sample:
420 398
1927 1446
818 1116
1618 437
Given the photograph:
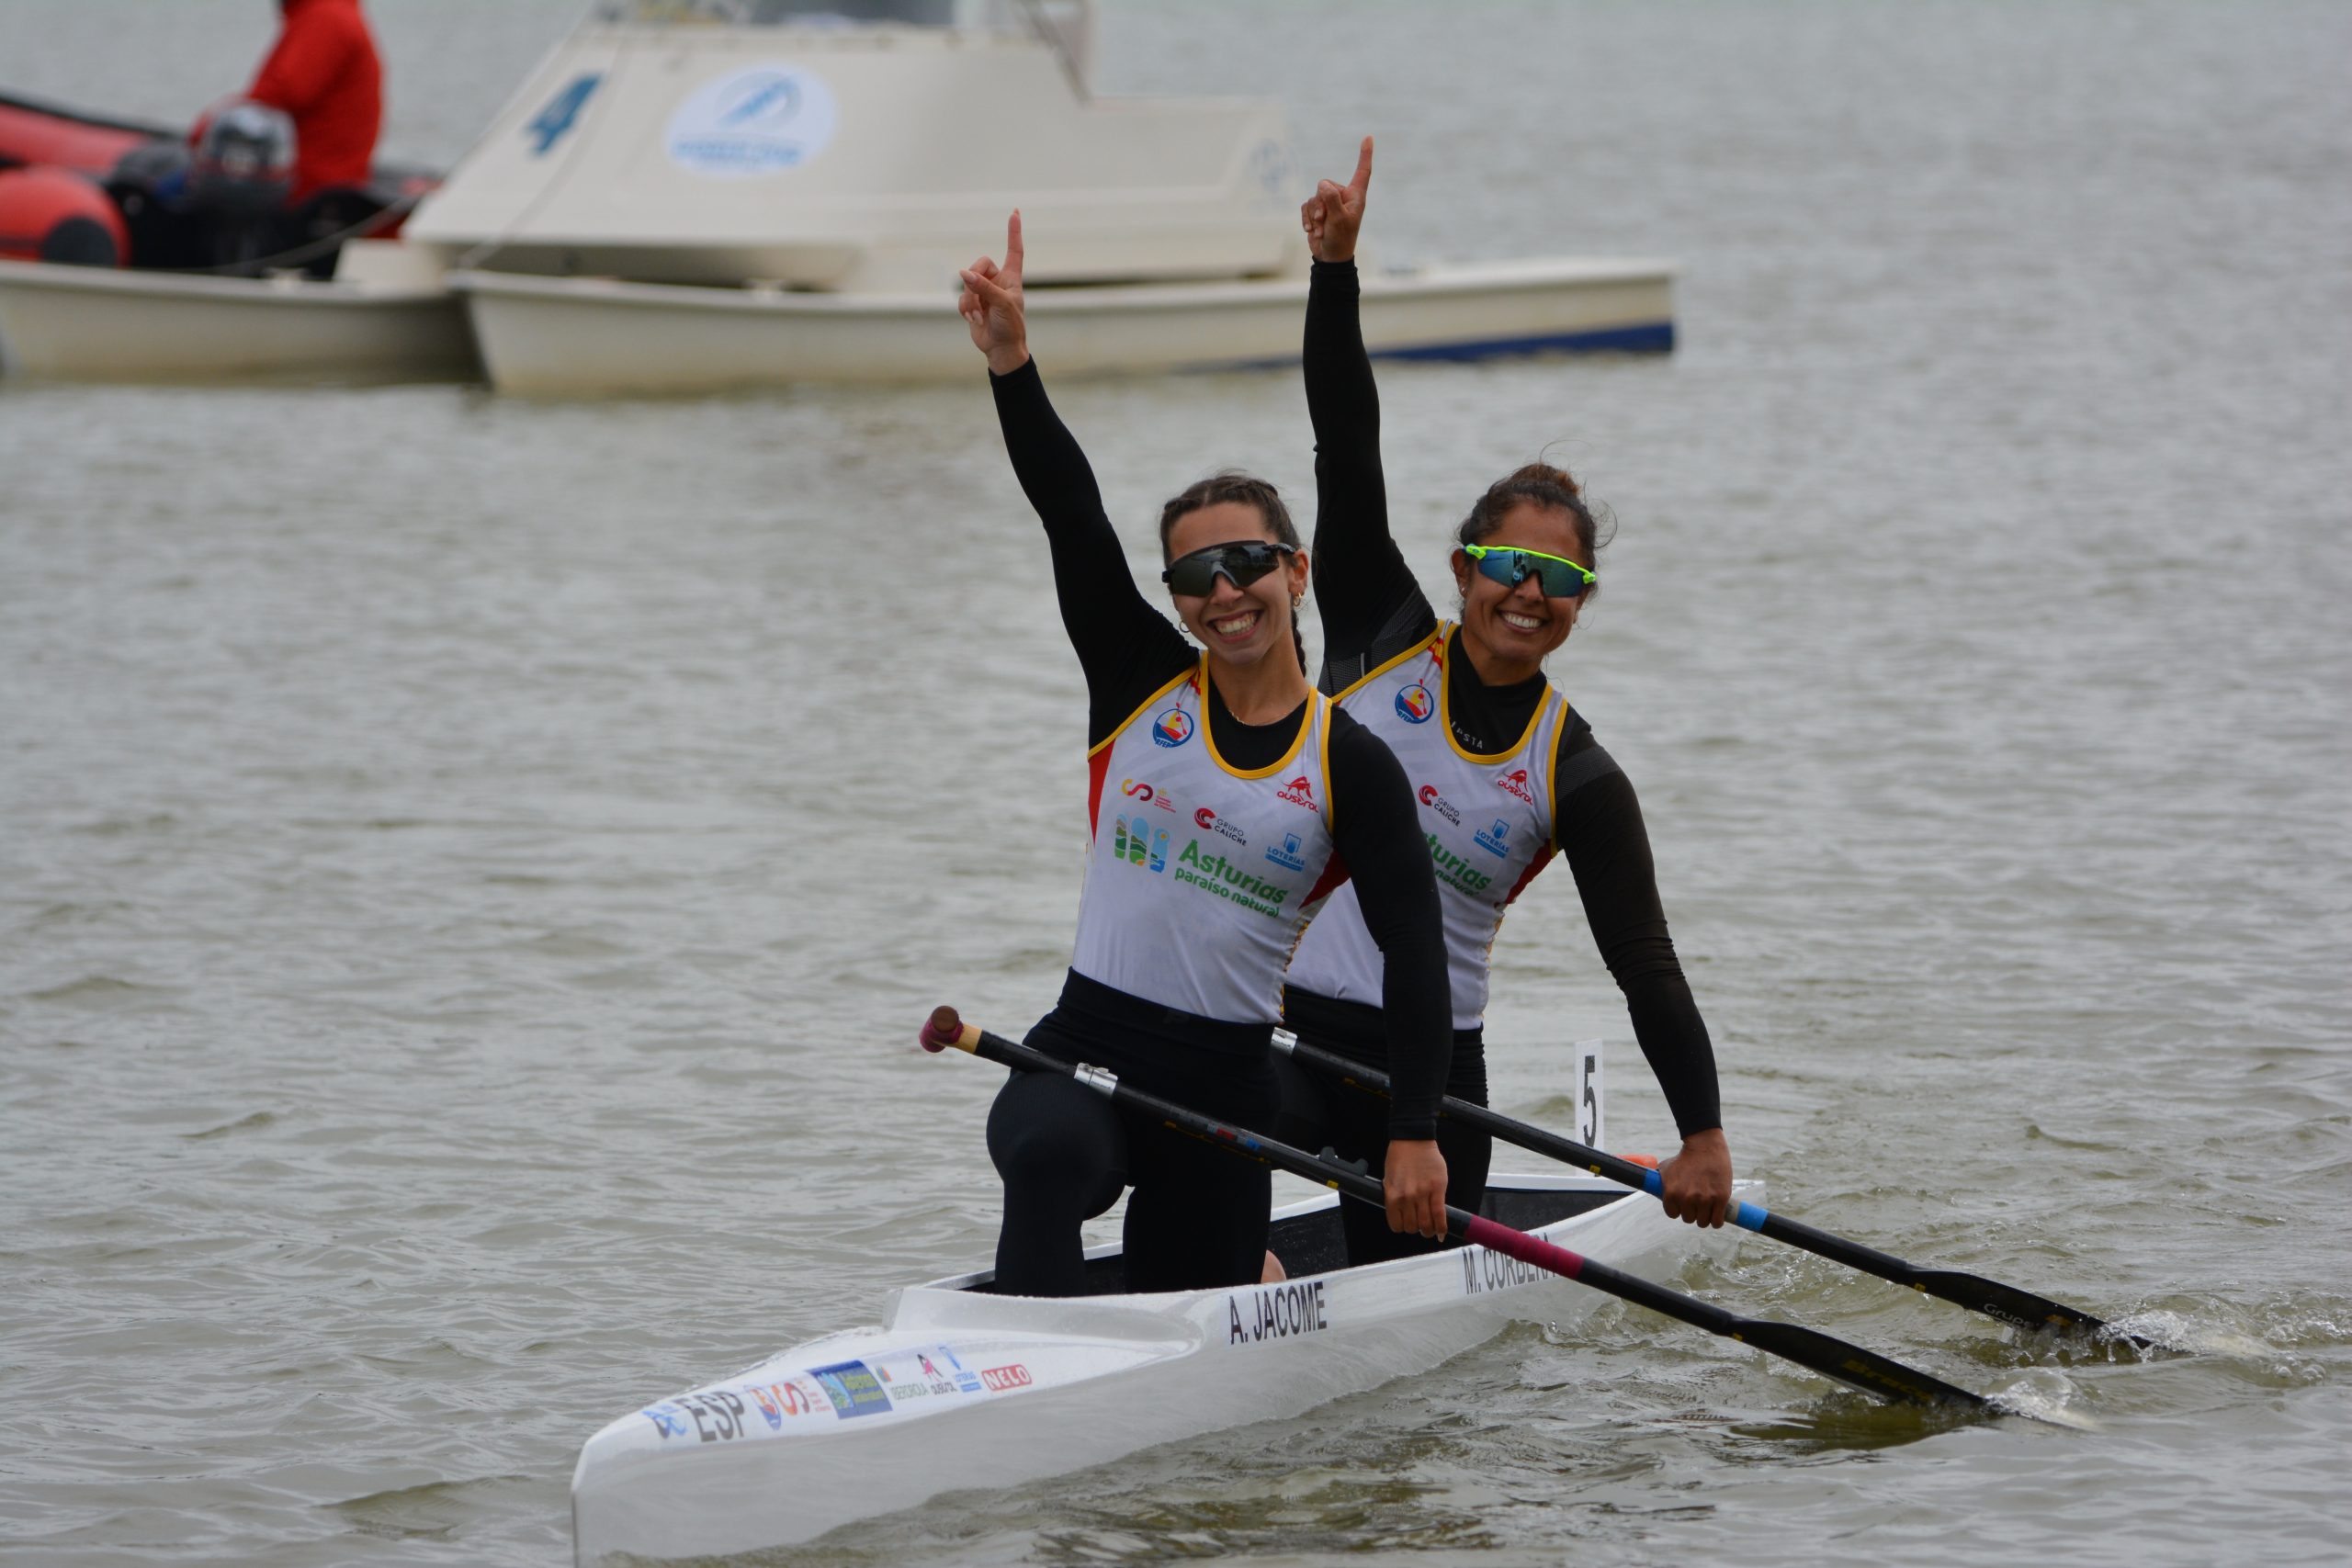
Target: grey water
470 869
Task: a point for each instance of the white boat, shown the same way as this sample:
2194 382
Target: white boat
102 279
691 196
959 1388
548 336
784 195
368 324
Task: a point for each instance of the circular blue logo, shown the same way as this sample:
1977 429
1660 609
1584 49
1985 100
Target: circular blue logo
1414 703
1172 727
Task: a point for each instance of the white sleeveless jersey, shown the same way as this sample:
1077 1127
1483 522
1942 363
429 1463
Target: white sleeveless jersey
1200 876
1488 819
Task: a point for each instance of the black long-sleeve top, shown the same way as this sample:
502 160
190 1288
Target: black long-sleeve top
1374 609
1129 650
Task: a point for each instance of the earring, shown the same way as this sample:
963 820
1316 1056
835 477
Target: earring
1297 599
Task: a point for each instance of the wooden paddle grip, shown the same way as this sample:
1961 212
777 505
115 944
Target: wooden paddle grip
945 1028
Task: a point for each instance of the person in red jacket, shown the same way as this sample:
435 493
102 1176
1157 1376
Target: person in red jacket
324 74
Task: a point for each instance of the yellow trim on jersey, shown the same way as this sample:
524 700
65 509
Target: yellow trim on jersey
1446 720
1552 771
1323 760
1128 722
1296 742
1419 649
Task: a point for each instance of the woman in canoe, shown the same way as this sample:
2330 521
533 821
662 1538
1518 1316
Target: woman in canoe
1506 774
1227 798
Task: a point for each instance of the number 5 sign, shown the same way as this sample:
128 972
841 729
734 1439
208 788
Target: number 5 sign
1588 1094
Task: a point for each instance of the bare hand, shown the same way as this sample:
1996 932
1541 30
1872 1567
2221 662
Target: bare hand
1333 214
1697 1180
1415 1183
991 305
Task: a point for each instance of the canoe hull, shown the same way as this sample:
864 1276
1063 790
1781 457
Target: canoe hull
961 1390
594 337
92 324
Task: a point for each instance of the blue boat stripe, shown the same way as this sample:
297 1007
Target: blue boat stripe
1648 337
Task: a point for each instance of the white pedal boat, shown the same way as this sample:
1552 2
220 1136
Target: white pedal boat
572 337
959 1388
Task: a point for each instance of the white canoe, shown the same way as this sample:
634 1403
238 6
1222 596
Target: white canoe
587 336
959 1388
80 324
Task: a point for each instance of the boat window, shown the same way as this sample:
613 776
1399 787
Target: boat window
1070 19
772 13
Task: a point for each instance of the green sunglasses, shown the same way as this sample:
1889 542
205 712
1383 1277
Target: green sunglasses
1561 578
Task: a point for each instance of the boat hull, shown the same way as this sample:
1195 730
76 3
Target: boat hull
93 324
960 1389
589 337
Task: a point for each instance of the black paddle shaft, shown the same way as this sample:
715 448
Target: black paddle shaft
2006 1303
1866 1369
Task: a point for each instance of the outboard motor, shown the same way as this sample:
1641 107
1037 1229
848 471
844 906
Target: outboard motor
56 215
242 174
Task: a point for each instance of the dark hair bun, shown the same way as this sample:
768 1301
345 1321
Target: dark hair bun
1545 474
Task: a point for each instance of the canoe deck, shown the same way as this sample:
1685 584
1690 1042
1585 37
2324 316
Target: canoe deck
961 1387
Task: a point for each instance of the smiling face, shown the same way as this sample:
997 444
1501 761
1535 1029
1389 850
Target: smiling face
1508 628
1239 625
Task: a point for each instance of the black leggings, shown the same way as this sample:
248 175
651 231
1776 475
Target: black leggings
1197 1219
1320 1111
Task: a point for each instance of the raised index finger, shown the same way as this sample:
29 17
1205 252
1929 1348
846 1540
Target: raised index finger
1012 244
1362 179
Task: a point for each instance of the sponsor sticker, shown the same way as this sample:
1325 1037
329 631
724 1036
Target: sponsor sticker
1210 821
1172 729
1515 782
853 1388
1135 841
1495 841
761 120
1230 881
1298 792
1150 795
778 1401
1414 703
965 1378
1285 854
1429 797
715 1415
1001 1379
1277 1311
1454 870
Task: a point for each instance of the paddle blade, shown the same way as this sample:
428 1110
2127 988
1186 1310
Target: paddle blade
1865 1369
2018 1309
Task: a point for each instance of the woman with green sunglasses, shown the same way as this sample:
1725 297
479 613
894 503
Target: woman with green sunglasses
1226 799
1507 776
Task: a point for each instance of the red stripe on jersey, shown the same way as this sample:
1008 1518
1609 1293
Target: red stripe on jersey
1543 858
1335 872
1098 768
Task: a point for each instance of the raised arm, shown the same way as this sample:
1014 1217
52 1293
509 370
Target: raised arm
1608 848
1126 648
1371 605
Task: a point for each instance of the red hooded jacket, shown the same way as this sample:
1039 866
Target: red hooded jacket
324 74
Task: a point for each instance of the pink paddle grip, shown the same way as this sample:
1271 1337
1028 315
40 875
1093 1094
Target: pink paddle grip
1527 1250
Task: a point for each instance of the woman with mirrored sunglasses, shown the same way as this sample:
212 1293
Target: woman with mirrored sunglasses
1226 799
1507 776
